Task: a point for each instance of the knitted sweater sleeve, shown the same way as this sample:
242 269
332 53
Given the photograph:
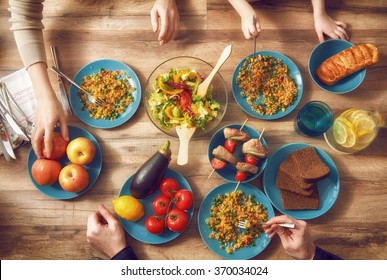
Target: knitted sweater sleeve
26 24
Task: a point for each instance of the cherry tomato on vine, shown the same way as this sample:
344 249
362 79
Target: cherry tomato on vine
177 220
183 199
168 187
161 205
217 163
155 224
250 159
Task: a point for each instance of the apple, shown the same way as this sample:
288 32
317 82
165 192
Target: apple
73 178
81 151
58 145
45 171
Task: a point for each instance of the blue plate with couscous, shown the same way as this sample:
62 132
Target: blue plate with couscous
109 80
288 88
210 220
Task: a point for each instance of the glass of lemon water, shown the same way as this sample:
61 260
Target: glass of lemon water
355 129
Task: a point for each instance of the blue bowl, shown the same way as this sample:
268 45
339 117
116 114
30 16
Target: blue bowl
322 52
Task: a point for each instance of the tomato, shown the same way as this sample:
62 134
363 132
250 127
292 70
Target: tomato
161 205
177 220
185 101
183 199
168 187
240 176
230 145
217 163
155 224
250 159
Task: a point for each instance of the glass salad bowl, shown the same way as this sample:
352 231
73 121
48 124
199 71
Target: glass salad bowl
170 98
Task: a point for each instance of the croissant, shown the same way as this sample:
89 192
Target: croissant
347 62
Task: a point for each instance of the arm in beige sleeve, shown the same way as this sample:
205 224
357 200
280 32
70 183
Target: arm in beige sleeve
246 12
26 19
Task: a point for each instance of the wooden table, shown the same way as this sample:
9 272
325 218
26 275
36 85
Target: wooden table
34 226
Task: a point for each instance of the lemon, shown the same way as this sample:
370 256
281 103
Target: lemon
344 133
128 208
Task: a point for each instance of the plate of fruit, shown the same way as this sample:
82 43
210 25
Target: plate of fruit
237 153
155 204
72 168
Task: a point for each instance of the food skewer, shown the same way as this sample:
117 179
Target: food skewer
240 129
260 136
237 186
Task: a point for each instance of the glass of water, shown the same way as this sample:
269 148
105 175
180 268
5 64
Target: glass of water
313 119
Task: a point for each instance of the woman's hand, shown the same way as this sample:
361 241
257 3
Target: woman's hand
48 112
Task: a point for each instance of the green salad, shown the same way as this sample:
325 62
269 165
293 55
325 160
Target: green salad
174 100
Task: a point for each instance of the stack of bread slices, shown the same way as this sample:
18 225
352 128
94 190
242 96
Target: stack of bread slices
297 179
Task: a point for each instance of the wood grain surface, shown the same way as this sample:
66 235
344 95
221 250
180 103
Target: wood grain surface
34 226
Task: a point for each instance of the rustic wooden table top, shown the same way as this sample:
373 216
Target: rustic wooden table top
34 226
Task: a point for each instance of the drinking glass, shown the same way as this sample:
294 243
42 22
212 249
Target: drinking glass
313 119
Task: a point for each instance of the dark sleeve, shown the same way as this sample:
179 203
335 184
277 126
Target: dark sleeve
125 254
324 255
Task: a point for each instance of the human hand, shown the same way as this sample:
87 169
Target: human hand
250 25
324 24
168 26
49 112
296 241
105 232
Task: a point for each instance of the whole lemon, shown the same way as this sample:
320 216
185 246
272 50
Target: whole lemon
128 208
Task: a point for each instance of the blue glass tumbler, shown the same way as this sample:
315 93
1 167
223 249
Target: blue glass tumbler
313 119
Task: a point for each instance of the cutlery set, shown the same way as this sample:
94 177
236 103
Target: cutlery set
8 108
7 115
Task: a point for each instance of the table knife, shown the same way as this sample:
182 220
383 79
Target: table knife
12 123
5 143
62 89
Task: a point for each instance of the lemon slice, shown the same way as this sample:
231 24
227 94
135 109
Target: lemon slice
344 133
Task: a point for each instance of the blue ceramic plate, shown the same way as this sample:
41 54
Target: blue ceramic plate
93 168
137 229
328 188
204 213
325 50
294 72
94 67
229 171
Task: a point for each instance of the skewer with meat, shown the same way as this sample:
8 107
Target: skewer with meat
243 169
233 137
221 157
254 150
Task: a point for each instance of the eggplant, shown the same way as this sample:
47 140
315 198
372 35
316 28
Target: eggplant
148 177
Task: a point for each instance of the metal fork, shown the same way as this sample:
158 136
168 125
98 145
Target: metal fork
91 98
246 224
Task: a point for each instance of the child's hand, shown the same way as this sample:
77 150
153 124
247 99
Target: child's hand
324 24
166 11
250 26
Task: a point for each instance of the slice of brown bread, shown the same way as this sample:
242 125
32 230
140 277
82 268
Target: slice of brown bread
293 184
309 164
295 201
289 178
